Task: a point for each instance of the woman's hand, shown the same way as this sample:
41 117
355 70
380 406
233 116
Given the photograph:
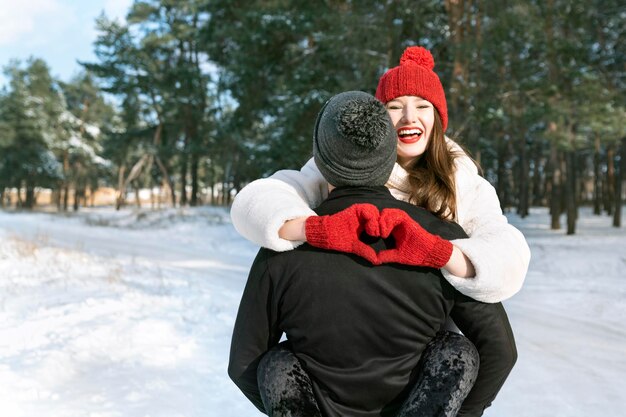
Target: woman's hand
414 245
341 231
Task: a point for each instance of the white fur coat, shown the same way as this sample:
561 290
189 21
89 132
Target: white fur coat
497 250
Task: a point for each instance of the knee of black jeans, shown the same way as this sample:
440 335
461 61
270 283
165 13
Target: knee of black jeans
501 359
511 356
504 356
463 350
284 385
280 354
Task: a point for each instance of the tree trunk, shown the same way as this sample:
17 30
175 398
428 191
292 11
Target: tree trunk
19 203
153 198
56 196
619 180
194 178
66 186
501 183
137 197
225 191
119 200
597 178
134 173
167 179
79 194
555 155
538 194
563 160
30 195
225 182
475 82
456 11
555 194
570 192
161 188
524 180
610 180
582 179
183 171
66 195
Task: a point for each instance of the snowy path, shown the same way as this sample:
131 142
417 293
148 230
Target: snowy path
125 315
108 321
568 321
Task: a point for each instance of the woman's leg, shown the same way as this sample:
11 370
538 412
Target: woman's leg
487 327
448 370
286 388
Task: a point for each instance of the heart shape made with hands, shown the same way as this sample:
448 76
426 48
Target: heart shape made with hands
384 224
387 223
413 245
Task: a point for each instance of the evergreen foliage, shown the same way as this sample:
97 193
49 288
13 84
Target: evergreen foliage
211 94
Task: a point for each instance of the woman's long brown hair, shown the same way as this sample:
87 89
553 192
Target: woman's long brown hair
431 176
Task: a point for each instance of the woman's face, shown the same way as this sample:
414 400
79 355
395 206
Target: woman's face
413 117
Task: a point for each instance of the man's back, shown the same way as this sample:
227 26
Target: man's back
358 330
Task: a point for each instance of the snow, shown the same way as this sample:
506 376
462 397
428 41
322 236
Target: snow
75 122
130 313
76 142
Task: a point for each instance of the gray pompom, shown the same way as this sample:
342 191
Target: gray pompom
364 122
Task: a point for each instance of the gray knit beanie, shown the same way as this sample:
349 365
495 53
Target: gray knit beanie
354 141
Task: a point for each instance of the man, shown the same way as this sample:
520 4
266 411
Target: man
364 340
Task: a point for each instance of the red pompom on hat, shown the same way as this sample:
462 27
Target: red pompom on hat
414 77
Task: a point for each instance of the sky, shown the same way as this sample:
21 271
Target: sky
61 32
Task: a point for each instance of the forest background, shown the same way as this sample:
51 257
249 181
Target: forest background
189 100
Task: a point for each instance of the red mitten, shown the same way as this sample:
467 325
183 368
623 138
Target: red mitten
341 231
414 245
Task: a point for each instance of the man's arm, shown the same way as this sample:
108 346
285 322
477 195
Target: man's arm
256 330
487 327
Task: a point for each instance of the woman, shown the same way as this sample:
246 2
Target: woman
435 174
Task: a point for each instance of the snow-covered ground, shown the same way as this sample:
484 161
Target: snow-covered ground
129 314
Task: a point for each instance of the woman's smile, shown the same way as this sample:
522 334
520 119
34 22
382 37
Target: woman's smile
409 134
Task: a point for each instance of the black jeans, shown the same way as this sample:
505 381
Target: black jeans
448 370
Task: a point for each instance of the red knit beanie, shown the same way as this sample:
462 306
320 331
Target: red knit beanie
414 77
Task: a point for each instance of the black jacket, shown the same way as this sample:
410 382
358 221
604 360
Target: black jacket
359 329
